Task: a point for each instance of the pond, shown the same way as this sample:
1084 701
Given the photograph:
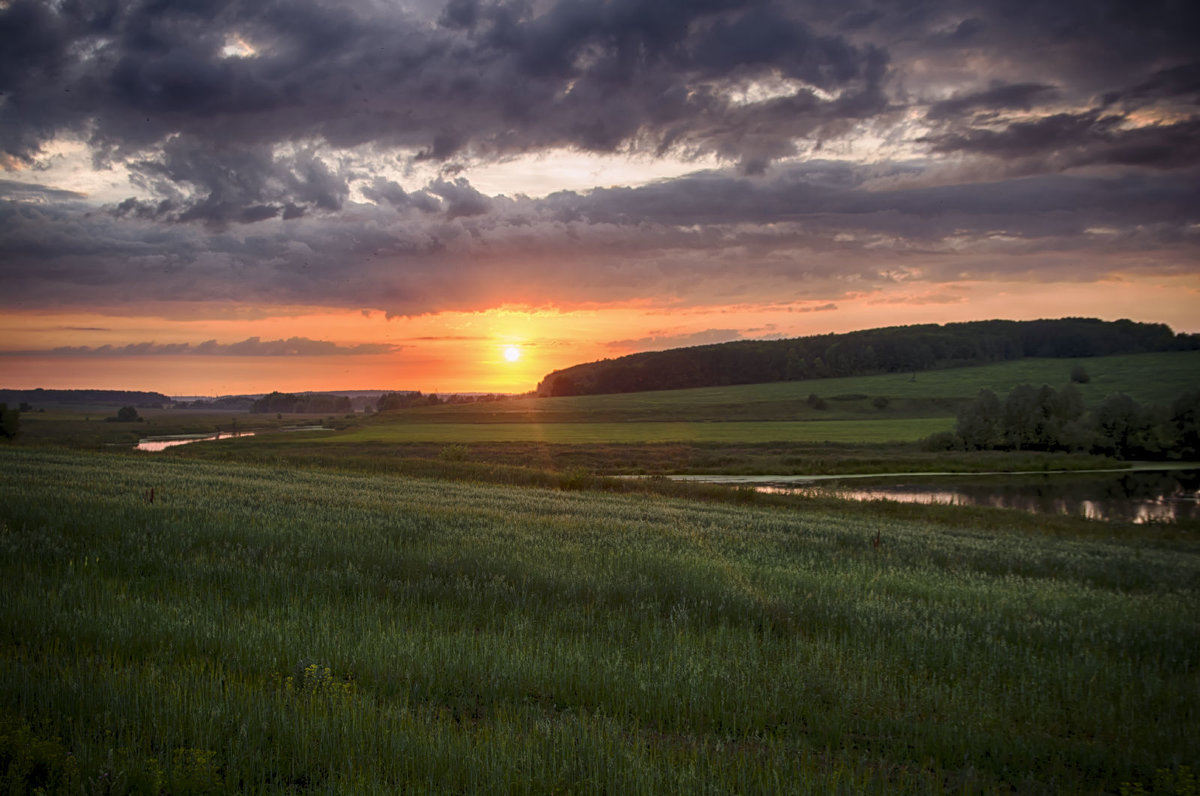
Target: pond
156 444
1139 495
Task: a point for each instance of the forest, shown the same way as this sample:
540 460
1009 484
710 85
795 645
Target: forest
897 349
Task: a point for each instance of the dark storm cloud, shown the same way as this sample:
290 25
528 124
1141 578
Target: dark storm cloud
813 230
837 193
1018 95
254 131
498 77
1182 82
382 191
29 192
1082 139
598 75
232 184
461 199
1075 44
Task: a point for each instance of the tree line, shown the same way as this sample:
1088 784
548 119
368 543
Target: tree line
1045 419
41 397
897 349
281 402
408 399
405 400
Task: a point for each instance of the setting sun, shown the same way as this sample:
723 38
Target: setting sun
512 353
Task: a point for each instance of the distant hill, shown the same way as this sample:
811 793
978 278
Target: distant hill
41 398
895 349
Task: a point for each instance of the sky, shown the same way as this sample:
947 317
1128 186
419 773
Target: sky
205 197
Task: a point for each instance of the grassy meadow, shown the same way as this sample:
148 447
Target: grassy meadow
267 629
572 433
1148 378
746 429
454 599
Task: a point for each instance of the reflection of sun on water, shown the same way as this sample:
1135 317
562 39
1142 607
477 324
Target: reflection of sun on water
512 353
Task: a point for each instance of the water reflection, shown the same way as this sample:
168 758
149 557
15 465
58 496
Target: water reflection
162 443
1137 496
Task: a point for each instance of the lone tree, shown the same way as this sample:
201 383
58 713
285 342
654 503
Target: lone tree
127 414
1079 375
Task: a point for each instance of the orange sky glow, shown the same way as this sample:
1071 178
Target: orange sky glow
231 201
465 351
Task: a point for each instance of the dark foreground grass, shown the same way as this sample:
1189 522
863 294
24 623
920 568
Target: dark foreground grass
259 628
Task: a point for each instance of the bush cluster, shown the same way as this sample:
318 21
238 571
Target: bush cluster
10 422
1045 419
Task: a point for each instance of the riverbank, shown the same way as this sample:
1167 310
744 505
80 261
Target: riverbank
1141 493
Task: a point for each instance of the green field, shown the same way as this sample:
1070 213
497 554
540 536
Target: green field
266 629
890 430
916 406
728 427
1148 378
450 599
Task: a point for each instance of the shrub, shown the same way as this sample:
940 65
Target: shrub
33 763
10 421
943 441
453 453
575 478
1079 375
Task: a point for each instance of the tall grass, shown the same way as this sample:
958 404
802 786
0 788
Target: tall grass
264 629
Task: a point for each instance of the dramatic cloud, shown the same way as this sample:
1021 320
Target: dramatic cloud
25 192
1072 140
250 347
814 230
659 340
380 156
486 78
1021 95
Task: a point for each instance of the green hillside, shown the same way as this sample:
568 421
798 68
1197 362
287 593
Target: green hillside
1156 378
760 428
859 410
897 349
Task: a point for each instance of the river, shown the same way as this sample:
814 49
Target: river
156 444
1143 494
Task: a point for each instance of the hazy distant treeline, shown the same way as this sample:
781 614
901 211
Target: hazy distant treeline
313 403
894 349
40 397
409 398
237 403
